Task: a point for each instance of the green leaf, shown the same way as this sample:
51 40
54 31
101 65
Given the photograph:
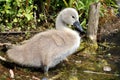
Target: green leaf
66 4
8 0
2 0
28 16
15 20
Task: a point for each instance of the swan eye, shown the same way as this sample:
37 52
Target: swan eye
73 17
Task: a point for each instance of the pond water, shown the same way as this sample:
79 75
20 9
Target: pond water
104 65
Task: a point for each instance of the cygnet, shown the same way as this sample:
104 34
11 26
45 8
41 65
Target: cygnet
46 49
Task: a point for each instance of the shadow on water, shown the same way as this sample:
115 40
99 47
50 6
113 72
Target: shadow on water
112 52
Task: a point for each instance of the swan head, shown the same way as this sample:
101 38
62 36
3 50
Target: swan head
70 16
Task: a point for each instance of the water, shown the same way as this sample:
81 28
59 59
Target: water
79 66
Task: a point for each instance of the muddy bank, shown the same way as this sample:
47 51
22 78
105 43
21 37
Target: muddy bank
108 27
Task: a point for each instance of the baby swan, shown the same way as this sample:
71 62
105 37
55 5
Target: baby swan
47 49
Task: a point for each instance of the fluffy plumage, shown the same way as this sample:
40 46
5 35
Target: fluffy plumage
47 49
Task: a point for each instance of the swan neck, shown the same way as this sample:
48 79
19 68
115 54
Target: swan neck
59 23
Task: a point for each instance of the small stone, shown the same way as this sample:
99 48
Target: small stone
107 68
11 73
78 62
44 78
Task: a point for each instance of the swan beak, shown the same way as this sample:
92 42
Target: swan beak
77 26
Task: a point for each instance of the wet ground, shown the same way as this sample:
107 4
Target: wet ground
104 65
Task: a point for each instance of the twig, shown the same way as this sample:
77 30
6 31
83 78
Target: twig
2 58
20 32
92 72
7 44
35 78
